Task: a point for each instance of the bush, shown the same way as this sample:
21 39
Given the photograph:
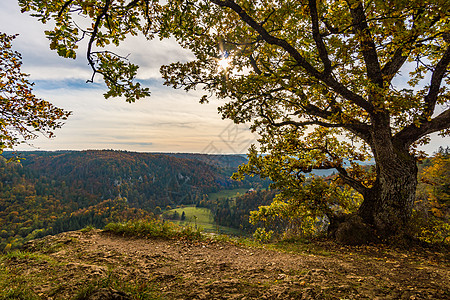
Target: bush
154 228
263 236
429 228
305 211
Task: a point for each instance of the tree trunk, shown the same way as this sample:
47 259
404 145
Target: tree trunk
387 206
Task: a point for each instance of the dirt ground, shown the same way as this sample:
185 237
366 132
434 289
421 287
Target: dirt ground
213 269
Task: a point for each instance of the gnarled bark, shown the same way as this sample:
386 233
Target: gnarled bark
387 205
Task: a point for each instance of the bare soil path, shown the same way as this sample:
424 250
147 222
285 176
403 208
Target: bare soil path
211 269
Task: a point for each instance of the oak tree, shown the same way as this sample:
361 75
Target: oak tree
326 84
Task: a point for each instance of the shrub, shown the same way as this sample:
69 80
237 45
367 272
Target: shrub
263 236
154 228
429 228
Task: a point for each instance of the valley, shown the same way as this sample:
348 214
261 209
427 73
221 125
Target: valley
52 192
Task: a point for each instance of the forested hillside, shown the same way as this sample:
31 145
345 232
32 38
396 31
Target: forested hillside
50 192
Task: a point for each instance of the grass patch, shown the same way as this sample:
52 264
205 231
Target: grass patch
46 246
200 217
27 256
113 287
194 215
222 230
15 285
226 194
18 292
300 246
295 246
23 255
23 273
87 229
154 229
238 241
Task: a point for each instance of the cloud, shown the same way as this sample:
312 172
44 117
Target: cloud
44 64
170 120
67 84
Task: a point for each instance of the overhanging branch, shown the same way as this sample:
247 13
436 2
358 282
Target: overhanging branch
99 18
358 186
300 60
412 133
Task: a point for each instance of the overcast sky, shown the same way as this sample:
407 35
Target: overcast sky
168 121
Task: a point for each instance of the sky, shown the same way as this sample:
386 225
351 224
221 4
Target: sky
168 121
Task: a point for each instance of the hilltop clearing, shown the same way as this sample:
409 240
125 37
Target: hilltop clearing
94 264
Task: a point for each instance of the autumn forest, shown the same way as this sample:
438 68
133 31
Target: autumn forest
52 192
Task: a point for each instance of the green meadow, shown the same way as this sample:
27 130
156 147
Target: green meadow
226 194
203 218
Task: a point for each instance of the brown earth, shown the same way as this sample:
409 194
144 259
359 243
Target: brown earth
212 269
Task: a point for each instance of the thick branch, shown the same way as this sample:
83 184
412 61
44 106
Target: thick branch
63 8
358 186
301 124
351 181
323 53
316 111
133 4
436 80
399 57
412 133
300 60
267 37
367 45
393 66
254 65
359 129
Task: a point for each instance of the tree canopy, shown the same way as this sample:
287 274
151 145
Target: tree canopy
326 84
22 114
